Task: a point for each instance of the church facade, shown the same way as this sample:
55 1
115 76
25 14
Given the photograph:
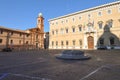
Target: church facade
87 29
19 39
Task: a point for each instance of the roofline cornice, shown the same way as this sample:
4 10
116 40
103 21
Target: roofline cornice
86 10
1 27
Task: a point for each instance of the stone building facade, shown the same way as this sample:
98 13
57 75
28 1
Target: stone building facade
87 29
18 39
46 40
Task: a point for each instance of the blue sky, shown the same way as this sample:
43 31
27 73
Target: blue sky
22 14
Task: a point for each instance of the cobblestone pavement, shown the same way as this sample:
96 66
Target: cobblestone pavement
42 65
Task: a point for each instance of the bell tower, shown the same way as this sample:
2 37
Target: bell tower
40 31
40 22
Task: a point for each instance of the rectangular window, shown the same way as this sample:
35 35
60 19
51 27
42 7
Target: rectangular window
100 26
119 9
80 18
20 34
56 31
66 21
52 43
67 43
80 42
19 41
66 30
26 42
62 31
11 41
0 40
52 32
109 11
73 19
73 42
56 43
62 44
27 35
80 28
112 41
1 31
56 22
99 13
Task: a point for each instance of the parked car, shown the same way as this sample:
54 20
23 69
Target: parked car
6 49
101 47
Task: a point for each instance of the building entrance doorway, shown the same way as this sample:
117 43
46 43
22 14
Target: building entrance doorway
36 45
90 42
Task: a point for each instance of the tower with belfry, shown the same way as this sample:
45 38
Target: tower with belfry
37 33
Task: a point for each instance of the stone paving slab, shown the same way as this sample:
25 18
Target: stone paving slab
10 76
107 72
42 64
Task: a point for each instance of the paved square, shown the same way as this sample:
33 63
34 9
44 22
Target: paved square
42 65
